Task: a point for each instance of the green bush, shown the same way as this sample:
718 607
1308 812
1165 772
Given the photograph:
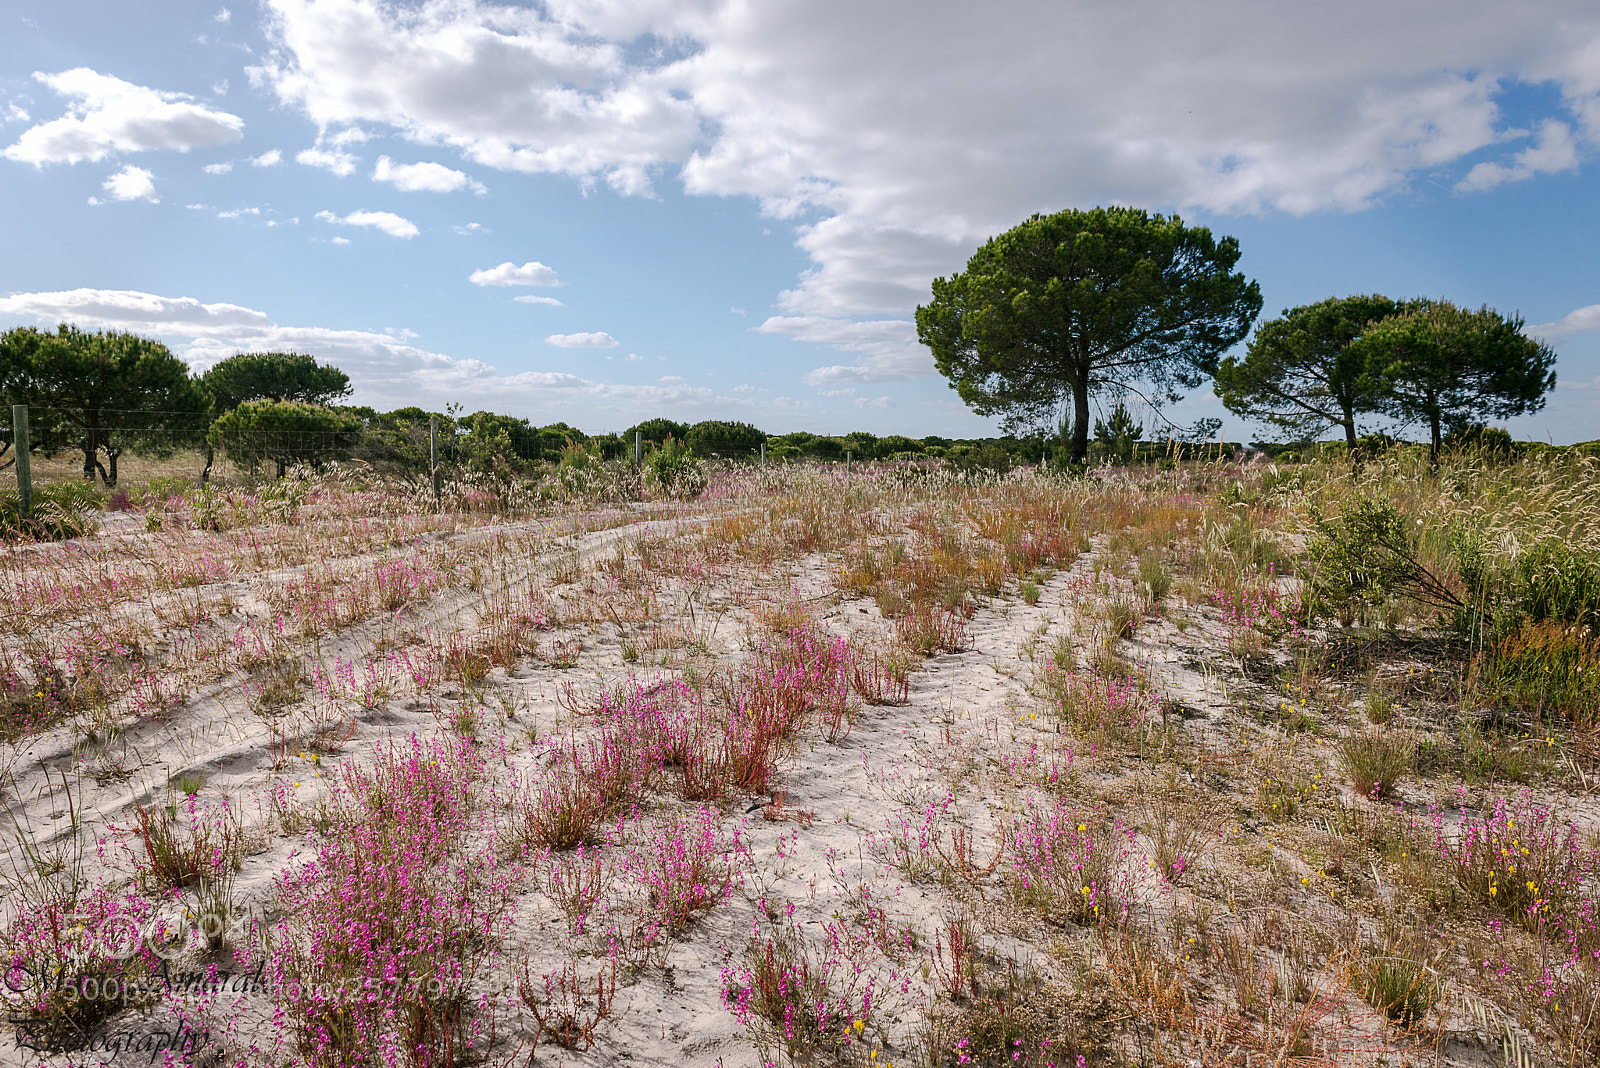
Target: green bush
60 510
1483 441
675 473
971 459
1366 556
1555 582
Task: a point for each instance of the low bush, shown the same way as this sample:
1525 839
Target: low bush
1376 762
1545 672
1063 864
388 929
60 510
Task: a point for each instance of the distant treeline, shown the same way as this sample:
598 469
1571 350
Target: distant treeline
487 441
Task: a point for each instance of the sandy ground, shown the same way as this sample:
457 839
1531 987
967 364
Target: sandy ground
968 751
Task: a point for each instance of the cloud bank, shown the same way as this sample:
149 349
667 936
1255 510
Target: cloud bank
107 115
386 370
898 136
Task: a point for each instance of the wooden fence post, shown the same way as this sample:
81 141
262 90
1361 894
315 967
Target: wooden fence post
19 423
433 457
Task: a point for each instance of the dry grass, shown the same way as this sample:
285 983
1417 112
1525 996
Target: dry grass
1141 855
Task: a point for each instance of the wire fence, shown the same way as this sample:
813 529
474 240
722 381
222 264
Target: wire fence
111 446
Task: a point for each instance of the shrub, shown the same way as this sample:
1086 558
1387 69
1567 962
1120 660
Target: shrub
59 946
675 473
61 510
1376 762
1366 556
1480 440
1556 582
1545 672
385 932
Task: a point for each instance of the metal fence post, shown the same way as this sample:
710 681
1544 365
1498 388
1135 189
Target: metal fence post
847 463
763 454
638 446
19 424
433 456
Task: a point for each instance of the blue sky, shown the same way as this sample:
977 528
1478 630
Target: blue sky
598 212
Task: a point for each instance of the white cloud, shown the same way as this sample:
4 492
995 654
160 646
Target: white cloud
888 347
596 340
1552 152
901 135
1575 322
879 403
220 88
122 309
339 241
529 299
471 229
108 115
342 164
223 16
217 168
132 183
385 369
737 311
508 86
14 113
423 177
238 213
634 357
390 223
532 273
270 158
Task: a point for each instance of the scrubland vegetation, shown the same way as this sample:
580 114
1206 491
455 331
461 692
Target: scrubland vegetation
1212 764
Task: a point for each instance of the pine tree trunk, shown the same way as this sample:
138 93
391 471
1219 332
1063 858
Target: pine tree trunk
1080 418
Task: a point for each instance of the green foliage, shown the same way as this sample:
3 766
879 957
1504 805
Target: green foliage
714 437
279 376
1067 305
1302 373
1483 441
103 392
971 459
675 473
396 443
497 444
284 432
1364 557
1555 582
656 431
1120 433
1446 366
60 510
